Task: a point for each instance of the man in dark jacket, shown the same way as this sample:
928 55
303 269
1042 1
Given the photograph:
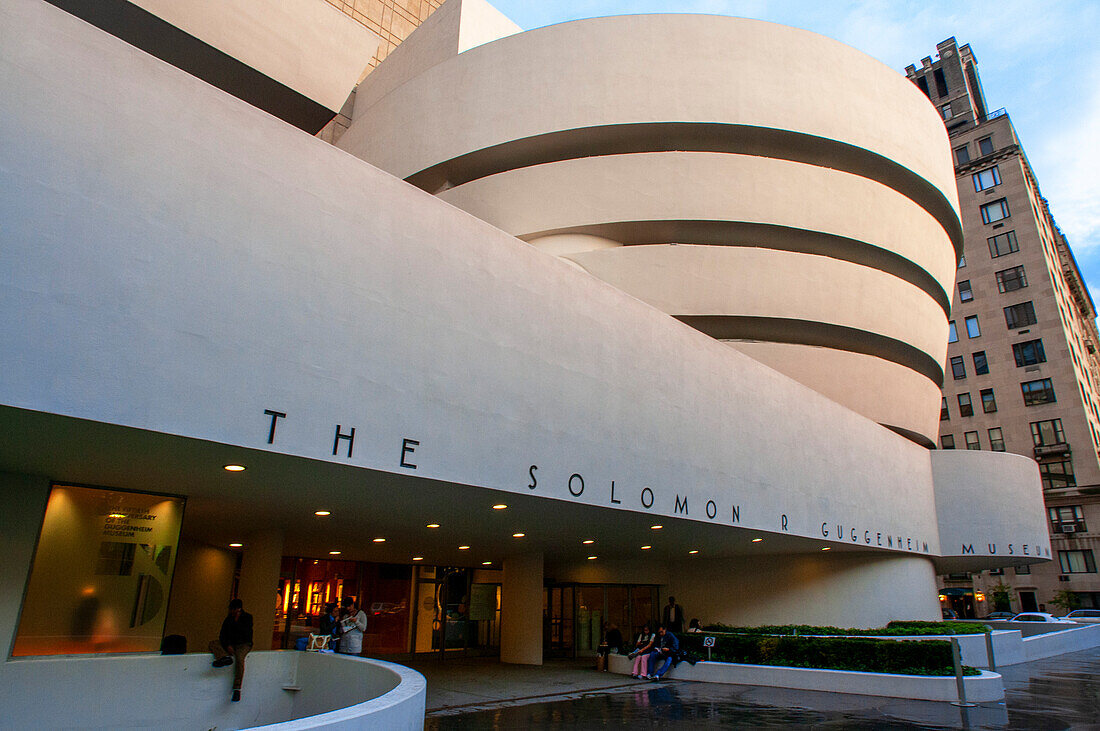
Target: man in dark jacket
664 652
233 643
673 617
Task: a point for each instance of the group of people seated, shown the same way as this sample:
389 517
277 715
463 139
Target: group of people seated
655 652
345 626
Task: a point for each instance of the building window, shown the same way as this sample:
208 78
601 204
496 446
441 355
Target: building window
989 404
1022 570
965 407
1009 280
965 293
986 179
972 329
985 146
1077 562
952 333
1020 315
945 111
941 82
947 441
972 440
944 413
962 155
1046 433
1002 244
1038 392
981 365
958 368
1029 353
995 211
1067 519
996 439
922 83
1057 474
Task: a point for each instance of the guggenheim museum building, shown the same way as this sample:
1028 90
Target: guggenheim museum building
565 322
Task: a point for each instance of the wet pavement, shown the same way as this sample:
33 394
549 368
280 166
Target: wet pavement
1047 695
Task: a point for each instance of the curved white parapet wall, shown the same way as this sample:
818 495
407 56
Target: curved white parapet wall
844 180
990 510
283 690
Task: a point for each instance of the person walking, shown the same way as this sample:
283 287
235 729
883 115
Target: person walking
234 643
673 617
352 627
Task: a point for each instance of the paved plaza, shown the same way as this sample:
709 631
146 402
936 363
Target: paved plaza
1058 693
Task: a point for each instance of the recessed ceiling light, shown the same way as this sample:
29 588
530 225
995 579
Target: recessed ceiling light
694 551
587 541
757 540
464 548
379 540
433 525
499 506
646 548
334 553
656 527
827 548
235 545
234 468
518 535
486 563
418 558
591 558
322 513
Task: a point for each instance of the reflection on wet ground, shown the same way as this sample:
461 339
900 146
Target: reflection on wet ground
1047 695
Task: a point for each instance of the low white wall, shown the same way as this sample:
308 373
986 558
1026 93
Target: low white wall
1050 644
979 688
185 692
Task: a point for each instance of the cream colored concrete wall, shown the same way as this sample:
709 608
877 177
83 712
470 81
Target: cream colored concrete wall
582 74
883 391
22 509
835 588
308 46
702 186
260 566
201 588
992 503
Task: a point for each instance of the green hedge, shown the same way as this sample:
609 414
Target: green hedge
917 657
894 629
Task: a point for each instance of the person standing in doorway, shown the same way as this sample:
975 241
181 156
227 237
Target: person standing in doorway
352 627
234 643
673 617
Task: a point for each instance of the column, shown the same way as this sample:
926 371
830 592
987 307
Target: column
22 508
263 555
521 610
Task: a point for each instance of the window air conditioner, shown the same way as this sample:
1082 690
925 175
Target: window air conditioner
1069 528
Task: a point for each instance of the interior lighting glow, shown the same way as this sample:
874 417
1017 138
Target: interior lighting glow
656 527
757 540
322 513
518 535
117 515
433 525
234 468
464 548
499 506
379 540
235 545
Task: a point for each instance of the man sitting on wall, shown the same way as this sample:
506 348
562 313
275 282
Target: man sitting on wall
233 643
666 647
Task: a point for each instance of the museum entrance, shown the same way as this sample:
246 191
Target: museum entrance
457 612
574 614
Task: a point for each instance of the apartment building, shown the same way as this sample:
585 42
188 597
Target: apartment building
1022 369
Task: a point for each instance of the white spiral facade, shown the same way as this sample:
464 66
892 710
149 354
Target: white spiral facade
714 168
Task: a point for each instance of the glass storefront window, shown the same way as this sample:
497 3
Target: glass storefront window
102 573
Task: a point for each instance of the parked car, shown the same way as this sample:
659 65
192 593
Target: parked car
1039 617
949 614
1085 616
999 615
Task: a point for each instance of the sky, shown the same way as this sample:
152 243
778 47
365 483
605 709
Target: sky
1040 59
